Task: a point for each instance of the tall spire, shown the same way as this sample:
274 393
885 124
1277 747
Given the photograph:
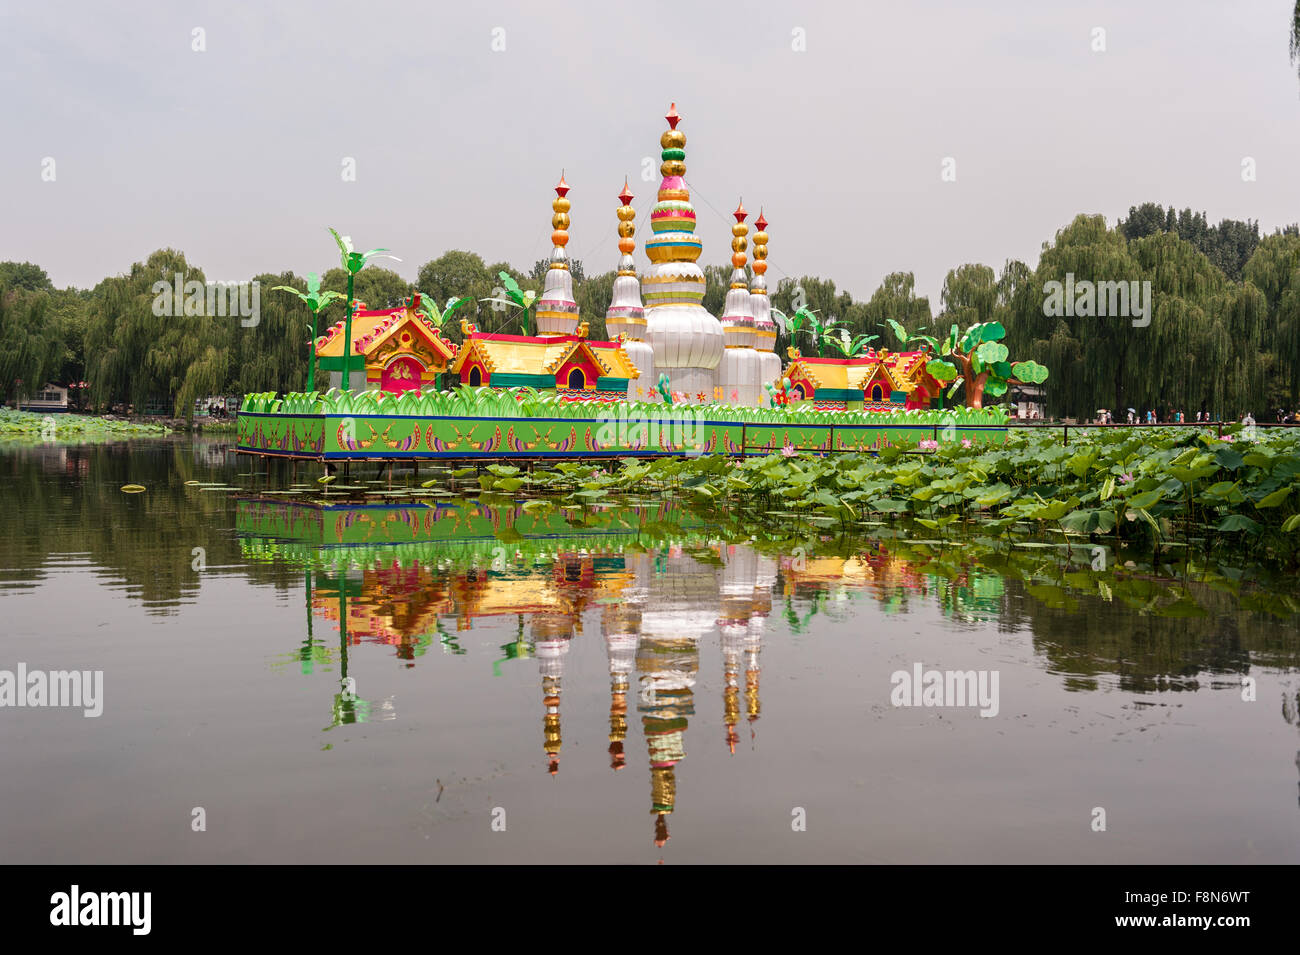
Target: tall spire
764 327
737 319
557 311
625 318
760 305
625 315
687 340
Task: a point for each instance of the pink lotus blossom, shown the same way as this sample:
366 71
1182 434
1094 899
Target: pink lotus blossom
1126 478
965 442
929 444
1229 438
788 451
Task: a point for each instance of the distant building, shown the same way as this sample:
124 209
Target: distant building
51 398
1025 401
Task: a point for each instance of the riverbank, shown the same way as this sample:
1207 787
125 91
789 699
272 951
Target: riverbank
32 425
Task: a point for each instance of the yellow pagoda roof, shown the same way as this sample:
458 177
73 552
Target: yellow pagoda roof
613 357
900 370
526 355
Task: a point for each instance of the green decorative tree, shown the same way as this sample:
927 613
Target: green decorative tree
977 359
317 301
849 346
428 308
515 297
793 324
353 262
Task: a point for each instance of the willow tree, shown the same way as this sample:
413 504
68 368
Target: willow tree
1274 269
273 355
895 300
1110 354
316 301
1295 36
138 352
31 350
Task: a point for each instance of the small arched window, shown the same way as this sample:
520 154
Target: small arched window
877 393
577 379
475 377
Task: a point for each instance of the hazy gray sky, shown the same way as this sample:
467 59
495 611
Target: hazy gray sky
234 154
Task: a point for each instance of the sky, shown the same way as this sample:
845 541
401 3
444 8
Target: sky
838 119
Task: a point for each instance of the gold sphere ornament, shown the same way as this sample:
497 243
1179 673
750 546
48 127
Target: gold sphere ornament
673 167
626 213
626 230
740 229
673 139
760 252
561 204
559 221
760 237
738 244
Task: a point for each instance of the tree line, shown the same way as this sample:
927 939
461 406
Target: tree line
1224 333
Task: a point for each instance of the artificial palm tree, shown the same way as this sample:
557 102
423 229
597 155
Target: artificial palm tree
849 346
515 297
353 262
317 301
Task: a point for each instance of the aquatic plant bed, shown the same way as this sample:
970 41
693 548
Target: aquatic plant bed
1150 489
521 423
34 425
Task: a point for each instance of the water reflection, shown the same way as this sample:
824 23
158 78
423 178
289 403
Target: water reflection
679 606
412 578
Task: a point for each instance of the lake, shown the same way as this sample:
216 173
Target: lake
300 677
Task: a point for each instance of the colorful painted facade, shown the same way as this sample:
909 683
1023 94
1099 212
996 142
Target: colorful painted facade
572 365
399 349
876 381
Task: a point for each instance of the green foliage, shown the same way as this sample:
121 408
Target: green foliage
1144 488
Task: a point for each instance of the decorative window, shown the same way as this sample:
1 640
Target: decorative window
877 393
475 377
577 379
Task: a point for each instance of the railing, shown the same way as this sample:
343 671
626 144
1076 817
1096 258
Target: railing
1065 428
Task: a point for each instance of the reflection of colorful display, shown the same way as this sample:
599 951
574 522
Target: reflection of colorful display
658 582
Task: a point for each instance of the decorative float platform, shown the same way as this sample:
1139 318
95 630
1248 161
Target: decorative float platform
555 392
503 424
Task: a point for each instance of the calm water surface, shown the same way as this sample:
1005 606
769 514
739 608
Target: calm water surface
469 682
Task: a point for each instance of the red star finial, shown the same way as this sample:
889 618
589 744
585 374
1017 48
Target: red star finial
563 188
672 117
740 213
761 223
626 195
